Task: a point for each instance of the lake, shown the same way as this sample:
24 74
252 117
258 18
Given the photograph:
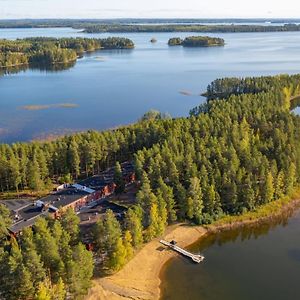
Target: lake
257 262
111 88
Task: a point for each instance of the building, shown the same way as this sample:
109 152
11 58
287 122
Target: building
76 196
103 183
53 205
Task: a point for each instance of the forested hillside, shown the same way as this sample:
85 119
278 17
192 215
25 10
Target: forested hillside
49 51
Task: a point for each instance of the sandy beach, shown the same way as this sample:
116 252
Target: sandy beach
140 280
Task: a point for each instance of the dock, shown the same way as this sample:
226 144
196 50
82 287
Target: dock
197 258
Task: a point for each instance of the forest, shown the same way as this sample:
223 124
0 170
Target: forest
155 25
196 41
211 28
52 51
234 153
46 262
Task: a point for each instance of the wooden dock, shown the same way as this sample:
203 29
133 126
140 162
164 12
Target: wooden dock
197 258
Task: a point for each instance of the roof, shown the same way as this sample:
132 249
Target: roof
64 197
94 212
18 226
16 204
28 214
83 188
97 182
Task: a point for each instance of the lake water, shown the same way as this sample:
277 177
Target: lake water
258 262
111 88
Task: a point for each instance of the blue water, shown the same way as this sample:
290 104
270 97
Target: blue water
111 88
255 262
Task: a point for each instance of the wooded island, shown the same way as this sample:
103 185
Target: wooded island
52 51
196 41
98 28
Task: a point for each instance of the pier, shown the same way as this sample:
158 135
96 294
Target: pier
197 258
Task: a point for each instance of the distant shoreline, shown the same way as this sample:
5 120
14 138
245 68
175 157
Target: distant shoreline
123 25
140 279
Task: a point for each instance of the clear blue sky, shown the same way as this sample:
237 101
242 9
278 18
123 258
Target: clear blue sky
151 8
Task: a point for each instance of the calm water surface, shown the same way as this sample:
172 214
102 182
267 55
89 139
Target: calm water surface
260 262
110 88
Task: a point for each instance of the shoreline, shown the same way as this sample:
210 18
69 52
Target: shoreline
140 278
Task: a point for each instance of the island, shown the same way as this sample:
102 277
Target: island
122 28
196 41
51 51
176 41
93 203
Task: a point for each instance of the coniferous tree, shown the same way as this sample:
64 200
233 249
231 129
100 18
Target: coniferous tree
118 179
162 212
133 223
34 176
59 291
74 158
5 223
32 261
290 179
82 271
268 191
70 222
145 198
279 185
48 249
43 291
154 228
128 244
118 256
195 200
168 196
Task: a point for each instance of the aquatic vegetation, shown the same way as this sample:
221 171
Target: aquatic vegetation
47 106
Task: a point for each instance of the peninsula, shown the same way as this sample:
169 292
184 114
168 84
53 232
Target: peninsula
234 159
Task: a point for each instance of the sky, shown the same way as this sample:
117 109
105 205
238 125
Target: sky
10 9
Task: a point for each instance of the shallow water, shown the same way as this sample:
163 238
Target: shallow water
256 262
110 88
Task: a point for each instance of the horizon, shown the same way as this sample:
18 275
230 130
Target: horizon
155 18
116 9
